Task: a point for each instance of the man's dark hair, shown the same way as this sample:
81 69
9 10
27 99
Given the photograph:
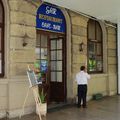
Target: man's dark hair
82 68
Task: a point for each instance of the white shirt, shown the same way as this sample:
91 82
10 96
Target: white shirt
82 78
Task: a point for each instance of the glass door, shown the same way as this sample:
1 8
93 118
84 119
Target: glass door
57 69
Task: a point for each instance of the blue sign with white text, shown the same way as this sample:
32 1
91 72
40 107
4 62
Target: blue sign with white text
50 18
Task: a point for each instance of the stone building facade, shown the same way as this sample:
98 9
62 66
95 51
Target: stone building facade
20 25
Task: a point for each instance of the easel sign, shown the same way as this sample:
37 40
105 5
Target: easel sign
32 78
34 86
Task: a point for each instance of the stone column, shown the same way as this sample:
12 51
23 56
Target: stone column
118 54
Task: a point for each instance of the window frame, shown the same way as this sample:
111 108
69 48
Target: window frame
95 41
2 25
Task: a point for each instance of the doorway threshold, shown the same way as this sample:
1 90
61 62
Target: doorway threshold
55 106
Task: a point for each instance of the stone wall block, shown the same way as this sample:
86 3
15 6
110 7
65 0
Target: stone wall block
18 69
17 43
78 30
3 103
78 39
31 20
111 45
76 49
74 14
112 69
31 32
79 59
3 96
22 56
3 90
79 21
22 18
17 30
112 82
112 61
111 38
112 53
23 6
16 99
21 31
76 68
97 85
111 30
14 5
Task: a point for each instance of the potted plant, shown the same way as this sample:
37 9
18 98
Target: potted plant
42 95
43 105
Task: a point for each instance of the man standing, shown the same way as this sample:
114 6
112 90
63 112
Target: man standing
82 81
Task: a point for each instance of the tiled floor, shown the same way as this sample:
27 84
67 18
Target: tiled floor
105 109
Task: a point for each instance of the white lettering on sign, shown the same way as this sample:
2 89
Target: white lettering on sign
51 10
56 27
49 26
46 25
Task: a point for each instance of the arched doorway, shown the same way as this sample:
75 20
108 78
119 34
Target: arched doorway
51 51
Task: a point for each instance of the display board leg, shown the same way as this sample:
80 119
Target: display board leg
37 100
22 112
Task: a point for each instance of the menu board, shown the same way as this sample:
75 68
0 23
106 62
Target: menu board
32 78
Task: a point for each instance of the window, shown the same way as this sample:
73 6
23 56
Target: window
49 56
42 56
1 40
95 49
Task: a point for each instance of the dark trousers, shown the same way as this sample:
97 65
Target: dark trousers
82 92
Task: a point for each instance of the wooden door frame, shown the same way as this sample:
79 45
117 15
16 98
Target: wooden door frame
63 55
